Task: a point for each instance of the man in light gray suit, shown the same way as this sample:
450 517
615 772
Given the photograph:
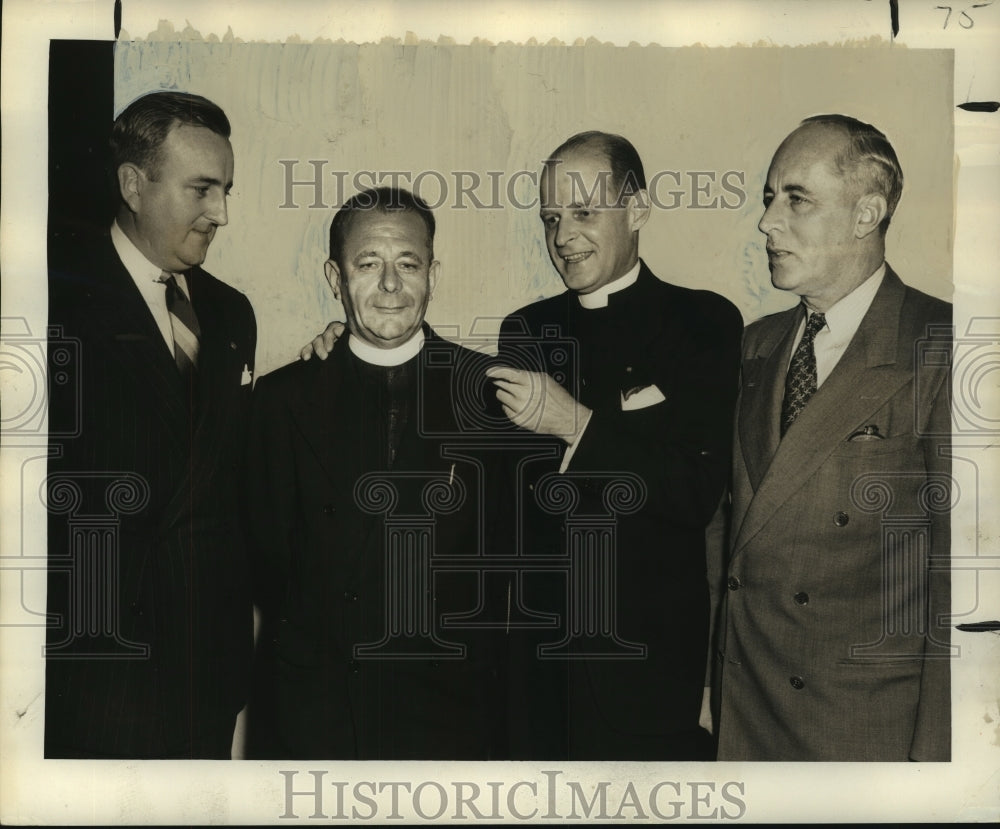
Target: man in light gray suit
832 642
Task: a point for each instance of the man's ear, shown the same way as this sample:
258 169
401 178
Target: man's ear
130 182
432 278
332 271
638 209
872 209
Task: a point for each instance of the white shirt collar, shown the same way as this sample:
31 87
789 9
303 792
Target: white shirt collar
599 298
845 315
142 271
395 356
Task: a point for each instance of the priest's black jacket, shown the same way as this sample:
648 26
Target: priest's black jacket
363 651
623 674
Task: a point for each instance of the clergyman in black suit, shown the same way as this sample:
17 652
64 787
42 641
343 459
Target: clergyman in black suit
359 490
642 418
150 632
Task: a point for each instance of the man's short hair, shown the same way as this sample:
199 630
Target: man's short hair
627 175
868 158
382 200
139 132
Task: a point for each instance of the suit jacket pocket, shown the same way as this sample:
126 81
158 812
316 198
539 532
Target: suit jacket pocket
900 444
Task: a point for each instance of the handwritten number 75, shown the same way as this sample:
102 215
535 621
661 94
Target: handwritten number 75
964 18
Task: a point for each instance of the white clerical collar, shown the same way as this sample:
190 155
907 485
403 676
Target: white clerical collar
599 298
395 356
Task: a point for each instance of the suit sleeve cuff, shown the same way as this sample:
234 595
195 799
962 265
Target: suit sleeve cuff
568 456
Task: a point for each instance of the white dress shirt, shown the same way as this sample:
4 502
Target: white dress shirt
842 321
146 276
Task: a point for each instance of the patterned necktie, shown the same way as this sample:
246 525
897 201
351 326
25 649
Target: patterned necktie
183 324
800 383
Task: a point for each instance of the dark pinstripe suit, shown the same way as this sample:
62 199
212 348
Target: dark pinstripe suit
150 627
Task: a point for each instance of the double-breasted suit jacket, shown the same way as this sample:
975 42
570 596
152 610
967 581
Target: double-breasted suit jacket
356 656
658 367
833 639
150 635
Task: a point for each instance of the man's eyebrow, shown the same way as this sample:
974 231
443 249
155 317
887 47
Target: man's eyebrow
210 180
576 205
372 252
788 188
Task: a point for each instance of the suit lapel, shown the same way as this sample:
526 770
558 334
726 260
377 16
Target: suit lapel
645 330
216 376
761 393
637 331
866 376
120 315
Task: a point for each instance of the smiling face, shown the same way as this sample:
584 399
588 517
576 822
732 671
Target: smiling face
385 276
171 212
819 226
592 236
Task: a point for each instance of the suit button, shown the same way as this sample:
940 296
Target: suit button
841 519
329 509
801 598
434 664
353 666
734 583
136 609
350 596
798 683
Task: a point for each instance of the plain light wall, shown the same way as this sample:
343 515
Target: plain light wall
439 109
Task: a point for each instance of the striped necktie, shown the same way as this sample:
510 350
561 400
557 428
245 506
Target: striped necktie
183 324
800 382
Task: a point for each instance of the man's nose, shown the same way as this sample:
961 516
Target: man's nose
565 232
390 281
769 221
218 211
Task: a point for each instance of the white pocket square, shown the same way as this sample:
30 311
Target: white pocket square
641 398
246 378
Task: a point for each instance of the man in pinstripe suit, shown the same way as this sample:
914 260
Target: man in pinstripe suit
150 619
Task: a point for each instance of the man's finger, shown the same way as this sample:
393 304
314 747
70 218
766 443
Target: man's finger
509 399
511 375
508 386
512 414
320 347
333 332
